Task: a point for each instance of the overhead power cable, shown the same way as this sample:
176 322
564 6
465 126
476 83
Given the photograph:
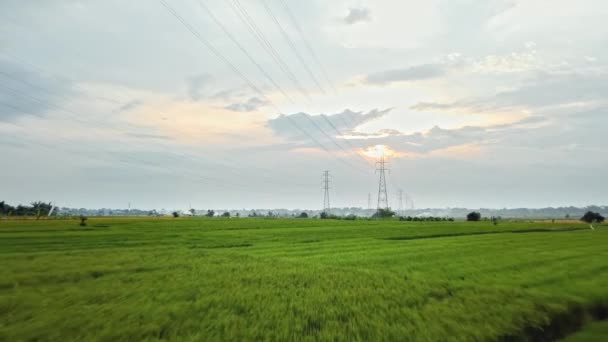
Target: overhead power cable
243 14
306 43
243 50
215 51
292 45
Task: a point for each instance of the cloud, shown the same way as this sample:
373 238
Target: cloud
357 15
316 125
413 73
543 90
196 86
130 105
29 93
250 105
149 136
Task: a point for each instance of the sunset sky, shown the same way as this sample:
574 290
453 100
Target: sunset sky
474 103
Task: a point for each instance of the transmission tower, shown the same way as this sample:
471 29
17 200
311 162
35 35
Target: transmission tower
326 205
369 200
400 196
382 195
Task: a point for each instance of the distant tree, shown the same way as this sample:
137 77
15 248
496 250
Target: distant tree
192 211
175 214
473 216
350 217
567 216
83 220
210 213
6 209
324 215
384 213
303 215
591 217
270 214
494 220
237 215
226 214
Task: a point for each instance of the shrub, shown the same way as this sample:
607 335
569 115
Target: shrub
473 216
303 215
175 214
226 214
210 213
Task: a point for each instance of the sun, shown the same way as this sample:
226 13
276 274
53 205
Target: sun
377 151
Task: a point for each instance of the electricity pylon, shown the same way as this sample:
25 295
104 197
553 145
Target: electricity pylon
382 193
326 205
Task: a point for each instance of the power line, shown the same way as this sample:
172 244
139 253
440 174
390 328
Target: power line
215 51
292 45
218 54
243 50
306 43
266 45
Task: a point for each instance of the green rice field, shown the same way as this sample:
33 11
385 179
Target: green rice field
243 279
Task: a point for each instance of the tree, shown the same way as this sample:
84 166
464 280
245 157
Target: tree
210 213
324 215
175 214
192 211
591 217
6 209
41 208
83 220
226 214
303 215
384 213
473 216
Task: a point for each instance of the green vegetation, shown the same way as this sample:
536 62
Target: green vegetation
591 217
595 331
473 216
199 278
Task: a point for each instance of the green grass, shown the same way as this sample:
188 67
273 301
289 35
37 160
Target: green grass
300 279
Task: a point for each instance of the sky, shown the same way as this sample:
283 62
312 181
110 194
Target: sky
244 103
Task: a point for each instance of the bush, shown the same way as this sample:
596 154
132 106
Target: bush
210 213
591 217
473 216
175 214
226 214
303 215
328 216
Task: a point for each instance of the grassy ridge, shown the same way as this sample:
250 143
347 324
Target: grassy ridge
197 278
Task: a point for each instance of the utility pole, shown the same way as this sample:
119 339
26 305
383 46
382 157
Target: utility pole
382 194
326 205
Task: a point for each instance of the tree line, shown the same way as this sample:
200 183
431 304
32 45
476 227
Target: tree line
34 209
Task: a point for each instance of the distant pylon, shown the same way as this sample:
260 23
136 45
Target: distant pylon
400 194
382 194
326 205
369 200
409 202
